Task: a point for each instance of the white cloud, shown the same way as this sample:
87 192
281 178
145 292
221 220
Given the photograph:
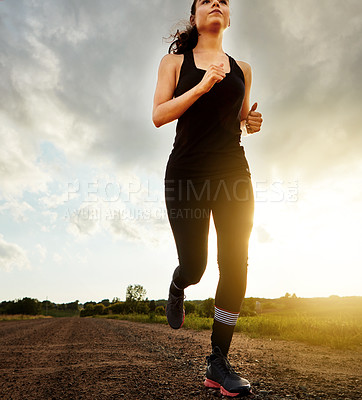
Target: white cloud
12 256
42 252
57 258
128 217
84 220
70 77
307 80
54 200
19 170
17 209
52 216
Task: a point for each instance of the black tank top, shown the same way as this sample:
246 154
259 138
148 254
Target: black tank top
207 144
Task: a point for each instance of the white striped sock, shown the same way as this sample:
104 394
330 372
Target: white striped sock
225 317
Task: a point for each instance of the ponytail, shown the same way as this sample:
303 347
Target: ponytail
187 39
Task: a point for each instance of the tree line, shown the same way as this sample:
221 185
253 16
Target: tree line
135 303
30 306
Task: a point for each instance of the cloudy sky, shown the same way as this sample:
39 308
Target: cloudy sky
82 212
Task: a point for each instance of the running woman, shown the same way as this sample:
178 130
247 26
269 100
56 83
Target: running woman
208 92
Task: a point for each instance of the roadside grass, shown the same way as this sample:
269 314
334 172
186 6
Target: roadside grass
15 317
334 332
63 313
337 331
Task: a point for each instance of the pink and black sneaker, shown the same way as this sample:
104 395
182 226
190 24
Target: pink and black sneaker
220 375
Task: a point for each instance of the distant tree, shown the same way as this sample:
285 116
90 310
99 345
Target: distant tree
117 307
160 310
73 306
99 309
152 305
88 310
248 305
287 295
190 307
6 307
135 293
27 306
47 306
142 307
116 300
106 302
207 307
294 296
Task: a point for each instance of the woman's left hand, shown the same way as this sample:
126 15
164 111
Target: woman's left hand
253 120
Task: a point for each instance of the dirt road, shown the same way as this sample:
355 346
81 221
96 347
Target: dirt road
84 358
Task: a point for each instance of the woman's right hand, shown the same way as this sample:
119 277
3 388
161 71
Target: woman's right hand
167 107
214 74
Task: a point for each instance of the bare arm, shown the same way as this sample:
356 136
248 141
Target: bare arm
246 104
166 108
247 114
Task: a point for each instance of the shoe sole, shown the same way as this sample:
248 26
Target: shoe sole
214 385
183 320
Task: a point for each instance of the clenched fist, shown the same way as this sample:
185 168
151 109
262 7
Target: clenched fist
253 120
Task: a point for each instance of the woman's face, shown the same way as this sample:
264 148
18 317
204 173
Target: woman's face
212 12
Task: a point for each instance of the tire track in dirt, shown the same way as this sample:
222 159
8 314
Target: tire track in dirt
86 358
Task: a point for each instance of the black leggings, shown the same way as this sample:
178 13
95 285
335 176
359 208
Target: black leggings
231 201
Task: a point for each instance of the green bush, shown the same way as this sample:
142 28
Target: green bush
160 310
25 306
99 309
142 307
117 308
190 307
207 308
88 310
152 305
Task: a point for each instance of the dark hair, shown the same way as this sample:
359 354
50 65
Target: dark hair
186 39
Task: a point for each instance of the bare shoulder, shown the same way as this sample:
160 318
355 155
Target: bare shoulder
246 68
172 60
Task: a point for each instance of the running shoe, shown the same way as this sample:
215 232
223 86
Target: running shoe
220 375
175 310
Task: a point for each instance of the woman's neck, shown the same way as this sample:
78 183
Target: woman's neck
210 43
